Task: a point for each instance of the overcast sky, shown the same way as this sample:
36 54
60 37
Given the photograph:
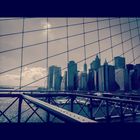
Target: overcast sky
11 59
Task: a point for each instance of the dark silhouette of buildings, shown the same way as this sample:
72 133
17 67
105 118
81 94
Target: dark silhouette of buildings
103 78
106 77
136 77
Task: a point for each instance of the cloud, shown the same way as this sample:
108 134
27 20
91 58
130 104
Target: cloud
29 75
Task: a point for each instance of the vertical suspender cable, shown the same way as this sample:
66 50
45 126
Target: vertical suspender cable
111 38
98 38
67 31
121 36
84 40
67 34
47 52
131 40
22 43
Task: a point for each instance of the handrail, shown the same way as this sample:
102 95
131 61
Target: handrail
69 94
58 112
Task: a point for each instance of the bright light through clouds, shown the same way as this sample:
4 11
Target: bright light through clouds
46 25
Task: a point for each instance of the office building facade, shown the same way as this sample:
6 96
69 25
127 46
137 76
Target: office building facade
122 78
72 76
106 78
54 78
82 81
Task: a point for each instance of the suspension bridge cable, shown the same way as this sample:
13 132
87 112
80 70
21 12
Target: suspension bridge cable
67 35
59 54
6 19
20 83
61 38
108 62
131 39
47 49
74 49
98 35
66 68
97 53
121 35
110 38
43 29
84 39
30 108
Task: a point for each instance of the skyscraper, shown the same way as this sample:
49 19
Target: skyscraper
136 77
90 80
130 78
107 77
57 78
83 81
72 76
85 68
130 69
64 81
50 78
121 74
101 79
119 62
96 79
95 64
54 78
121 77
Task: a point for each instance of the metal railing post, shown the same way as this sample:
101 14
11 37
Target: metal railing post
48 114
72 102
121 109
19 109
134 113
107 111
91 109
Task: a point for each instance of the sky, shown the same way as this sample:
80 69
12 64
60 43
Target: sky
98 37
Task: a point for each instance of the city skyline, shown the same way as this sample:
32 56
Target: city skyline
117 77
109 28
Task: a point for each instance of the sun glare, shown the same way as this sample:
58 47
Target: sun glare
46 25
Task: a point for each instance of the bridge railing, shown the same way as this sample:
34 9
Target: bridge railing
35 104
89 106
99 108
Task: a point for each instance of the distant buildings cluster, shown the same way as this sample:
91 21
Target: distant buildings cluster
99 77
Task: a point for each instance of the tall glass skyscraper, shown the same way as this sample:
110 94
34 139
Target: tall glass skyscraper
64 82
54 78
94 66
90 80
72 76
121 73
122 79
82 81
106 77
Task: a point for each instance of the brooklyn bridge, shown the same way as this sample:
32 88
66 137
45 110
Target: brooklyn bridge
69 70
